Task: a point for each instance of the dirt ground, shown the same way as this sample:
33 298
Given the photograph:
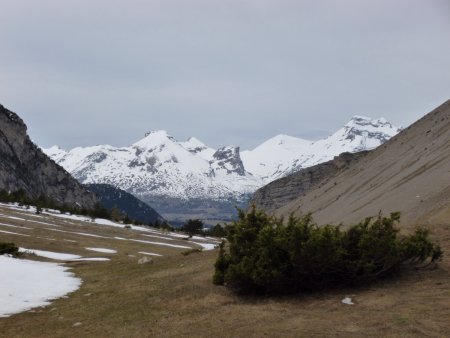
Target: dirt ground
174 296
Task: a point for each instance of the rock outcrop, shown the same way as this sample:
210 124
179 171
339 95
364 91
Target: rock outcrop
23 166
284 190
228 159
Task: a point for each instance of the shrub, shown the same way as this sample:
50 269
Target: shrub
216 231
193 227
8 249
267 256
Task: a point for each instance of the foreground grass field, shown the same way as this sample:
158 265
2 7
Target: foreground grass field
174 296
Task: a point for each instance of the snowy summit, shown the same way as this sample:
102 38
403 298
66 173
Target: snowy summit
160 166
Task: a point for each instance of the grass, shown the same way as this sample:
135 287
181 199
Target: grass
175 297
191 251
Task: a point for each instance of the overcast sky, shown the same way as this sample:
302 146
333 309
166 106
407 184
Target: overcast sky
91 72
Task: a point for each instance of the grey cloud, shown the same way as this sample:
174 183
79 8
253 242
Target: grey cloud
227 72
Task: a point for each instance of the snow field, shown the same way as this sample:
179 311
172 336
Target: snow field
28 284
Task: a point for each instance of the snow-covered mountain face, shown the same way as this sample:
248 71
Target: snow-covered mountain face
283 155
159 167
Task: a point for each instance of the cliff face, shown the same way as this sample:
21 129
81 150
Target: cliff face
282 191
24 166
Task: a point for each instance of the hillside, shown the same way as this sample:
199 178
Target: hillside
191 180
410 173
284 190
174 296
24 166
112 197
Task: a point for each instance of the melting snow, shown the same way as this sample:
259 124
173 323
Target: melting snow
12 217
15 226
78 233
149 253
14 233
163 244
28 284
205 246
103 250
50 254
93 259
161 237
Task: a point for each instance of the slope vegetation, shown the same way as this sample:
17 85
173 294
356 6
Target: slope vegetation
127 204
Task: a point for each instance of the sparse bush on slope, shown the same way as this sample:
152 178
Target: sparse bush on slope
193 227
8 249
267 256
19 196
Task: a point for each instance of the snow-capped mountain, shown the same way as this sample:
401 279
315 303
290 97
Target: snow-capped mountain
158 168
159 165
282 154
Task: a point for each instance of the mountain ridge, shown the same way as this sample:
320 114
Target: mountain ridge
159 167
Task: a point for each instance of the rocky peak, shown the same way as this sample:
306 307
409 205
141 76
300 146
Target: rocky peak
229 159
24 166
13 117
378 129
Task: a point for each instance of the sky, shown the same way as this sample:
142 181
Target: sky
228 72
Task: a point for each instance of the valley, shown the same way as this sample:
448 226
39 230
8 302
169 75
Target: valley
174 296
116 279
230 169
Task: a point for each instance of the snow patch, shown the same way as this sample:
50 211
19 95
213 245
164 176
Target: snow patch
161 244
50 254
28 284
205 246
91 259
102 250
15 226
13 233
150 254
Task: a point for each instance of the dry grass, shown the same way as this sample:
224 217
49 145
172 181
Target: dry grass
175 297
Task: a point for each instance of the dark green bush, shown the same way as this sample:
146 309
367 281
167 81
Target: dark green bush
267 256
8 249
216 231
193 227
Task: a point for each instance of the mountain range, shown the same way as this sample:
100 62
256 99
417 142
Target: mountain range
410 174
189 179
